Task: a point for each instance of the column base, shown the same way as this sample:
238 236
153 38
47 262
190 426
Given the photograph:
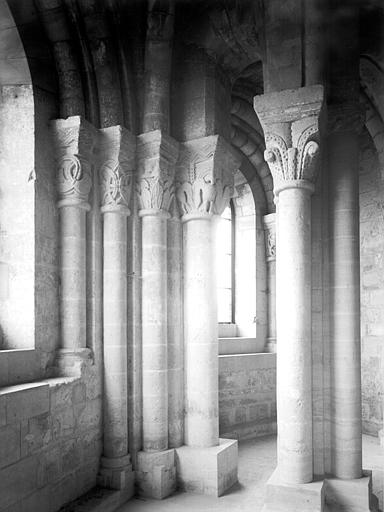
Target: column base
270 346
283 497
156 474
350 495
328 495
117 474
207 470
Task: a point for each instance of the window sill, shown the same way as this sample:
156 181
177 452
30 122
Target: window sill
240 345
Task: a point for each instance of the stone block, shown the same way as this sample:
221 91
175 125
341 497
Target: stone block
210 470
3 411
90 415
86 476
49 468
156 474
353 495
18 481
117 474
63 491
25 401
70 456
9 444
38 501
63 423
282 497
36 433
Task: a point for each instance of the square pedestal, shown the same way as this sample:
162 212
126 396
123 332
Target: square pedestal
283 497
207 470
117 474
350 495
156 474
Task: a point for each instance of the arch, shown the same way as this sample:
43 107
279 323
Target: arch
17 194
28 217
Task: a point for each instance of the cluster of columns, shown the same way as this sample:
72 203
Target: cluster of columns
110 169
179 361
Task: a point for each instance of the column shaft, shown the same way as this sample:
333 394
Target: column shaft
271 270
175 335
293 316
73 277
115 335
345 306
269 222
200 334
154 314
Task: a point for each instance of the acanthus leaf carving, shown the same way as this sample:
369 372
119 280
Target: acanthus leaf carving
270 236
157 155
155 193
205 176
293 163
290 120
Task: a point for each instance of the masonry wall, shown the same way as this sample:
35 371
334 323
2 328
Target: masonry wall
247 395
50 441
372 285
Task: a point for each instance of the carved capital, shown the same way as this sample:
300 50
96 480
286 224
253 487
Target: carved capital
74 140
269 224
290 120
157 154
346 117
204 175
117 157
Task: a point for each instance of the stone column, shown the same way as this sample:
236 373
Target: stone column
157 155
269 223
204 185
74 140
117 161
175 331
345 121
290 123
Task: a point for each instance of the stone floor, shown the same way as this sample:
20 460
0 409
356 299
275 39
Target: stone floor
257 459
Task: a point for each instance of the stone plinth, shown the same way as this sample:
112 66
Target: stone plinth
207 470
156 474
117 474
283 497
353 495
